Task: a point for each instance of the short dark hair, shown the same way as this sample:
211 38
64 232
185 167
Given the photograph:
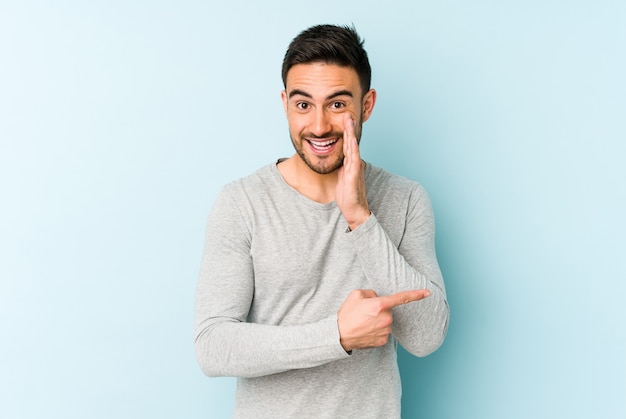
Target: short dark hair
330 44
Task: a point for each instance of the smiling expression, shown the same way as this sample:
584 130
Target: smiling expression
316 97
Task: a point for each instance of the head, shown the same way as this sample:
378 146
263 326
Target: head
330 44
326 74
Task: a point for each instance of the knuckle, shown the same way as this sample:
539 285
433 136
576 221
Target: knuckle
378 306
356 294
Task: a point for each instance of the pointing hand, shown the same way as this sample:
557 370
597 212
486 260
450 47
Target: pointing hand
364 319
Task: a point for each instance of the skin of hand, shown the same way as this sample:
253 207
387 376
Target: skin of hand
364 319
350 195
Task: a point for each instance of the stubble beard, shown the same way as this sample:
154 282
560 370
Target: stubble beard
325 164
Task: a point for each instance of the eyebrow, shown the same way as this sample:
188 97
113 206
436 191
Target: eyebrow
295 92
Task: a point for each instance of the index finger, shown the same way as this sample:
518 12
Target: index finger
403 297
349 134
348 125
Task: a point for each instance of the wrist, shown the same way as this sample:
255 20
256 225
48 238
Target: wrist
355 224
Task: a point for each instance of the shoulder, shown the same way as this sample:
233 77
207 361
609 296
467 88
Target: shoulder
251 184
382 182
397 202
238 199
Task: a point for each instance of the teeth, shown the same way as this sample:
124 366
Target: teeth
322 143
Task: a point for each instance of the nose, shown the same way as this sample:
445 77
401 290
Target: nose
321 124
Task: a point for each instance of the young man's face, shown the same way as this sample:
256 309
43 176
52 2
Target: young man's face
316 97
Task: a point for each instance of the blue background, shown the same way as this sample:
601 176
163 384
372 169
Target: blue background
120 121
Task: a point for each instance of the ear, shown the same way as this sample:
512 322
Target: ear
369 100
283 96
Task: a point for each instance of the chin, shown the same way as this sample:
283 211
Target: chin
325 167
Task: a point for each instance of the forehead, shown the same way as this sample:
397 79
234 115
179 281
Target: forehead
322 78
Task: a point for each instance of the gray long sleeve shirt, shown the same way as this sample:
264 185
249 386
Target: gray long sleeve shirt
276 268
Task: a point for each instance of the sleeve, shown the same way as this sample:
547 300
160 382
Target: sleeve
225 343
420 327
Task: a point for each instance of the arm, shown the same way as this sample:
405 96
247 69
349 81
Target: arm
225 343
419 327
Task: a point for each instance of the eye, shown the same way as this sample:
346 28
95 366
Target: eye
303 106
337 105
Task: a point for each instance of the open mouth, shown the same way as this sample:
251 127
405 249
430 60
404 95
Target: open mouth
324 145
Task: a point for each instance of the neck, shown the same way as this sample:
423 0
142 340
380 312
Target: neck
317 187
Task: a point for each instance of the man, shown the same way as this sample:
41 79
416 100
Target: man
317 265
